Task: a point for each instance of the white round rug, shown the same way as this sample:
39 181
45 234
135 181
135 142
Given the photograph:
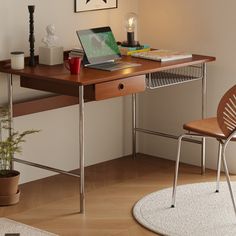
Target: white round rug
199 211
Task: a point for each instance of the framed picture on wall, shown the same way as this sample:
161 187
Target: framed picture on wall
92 5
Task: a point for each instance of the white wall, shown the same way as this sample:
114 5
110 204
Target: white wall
105 121
203 27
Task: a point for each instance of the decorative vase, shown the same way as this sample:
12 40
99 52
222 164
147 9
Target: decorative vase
9 192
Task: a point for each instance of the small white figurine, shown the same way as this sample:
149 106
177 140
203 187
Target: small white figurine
50 39
51 53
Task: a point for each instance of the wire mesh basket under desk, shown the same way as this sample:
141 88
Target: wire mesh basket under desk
174 76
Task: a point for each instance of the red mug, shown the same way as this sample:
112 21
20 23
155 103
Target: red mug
73 65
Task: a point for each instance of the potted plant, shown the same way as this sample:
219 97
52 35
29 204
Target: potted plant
10 144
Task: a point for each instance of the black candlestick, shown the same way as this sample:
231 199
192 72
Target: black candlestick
31 36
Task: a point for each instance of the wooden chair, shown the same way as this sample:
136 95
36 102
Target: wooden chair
222 128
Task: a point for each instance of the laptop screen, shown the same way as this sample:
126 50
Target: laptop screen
99 45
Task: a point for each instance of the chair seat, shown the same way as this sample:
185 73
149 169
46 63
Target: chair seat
207 127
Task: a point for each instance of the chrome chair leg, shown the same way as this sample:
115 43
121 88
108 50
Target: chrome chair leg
228 179
218 167
176 171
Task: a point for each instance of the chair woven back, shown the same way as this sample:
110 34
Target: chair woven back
226 112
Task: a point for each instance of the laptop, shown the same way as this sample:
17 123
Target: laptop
101 50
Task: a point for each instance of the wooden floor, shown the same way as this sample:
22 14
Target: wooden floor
112 188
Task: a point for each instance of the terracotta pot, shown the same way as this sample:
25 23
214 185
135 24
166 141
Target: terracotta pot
9 193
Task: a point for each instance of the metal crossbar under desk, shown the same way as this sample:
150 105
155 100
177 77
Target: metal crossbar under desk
171 77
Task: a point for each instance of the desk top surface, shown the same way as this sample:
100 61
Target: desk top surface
88 76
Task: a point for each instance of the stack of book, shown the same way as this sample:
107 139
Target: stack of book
131 50
163 55
76 52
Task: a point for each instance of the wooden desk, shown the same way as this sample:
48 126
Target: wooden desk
92 84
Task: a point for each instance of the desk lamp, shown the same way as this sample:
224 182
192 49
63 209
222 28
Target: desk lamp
130 25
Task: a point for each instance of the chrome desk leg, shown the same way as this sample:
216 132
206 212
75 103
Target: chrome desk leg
204 93
10 108
81 147
134 125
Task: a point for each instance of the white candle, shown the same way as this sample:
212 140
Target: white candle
17 60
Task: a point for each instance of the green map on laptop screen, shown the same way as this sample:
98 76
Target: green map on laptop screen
99 44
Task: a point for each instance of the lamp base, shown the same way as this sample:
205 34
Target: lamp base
130 44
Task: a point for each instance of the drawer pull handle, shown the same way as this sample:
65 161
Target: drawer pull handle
121 86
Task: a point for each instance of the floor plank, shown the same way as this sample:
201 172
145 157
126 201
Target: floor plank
112 188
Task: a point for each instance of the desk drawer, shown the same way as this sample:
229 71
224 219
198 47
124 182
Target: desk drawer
122 87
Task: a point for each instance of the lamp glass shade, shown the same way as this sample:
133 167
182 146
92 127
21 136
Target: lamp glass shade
131 20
